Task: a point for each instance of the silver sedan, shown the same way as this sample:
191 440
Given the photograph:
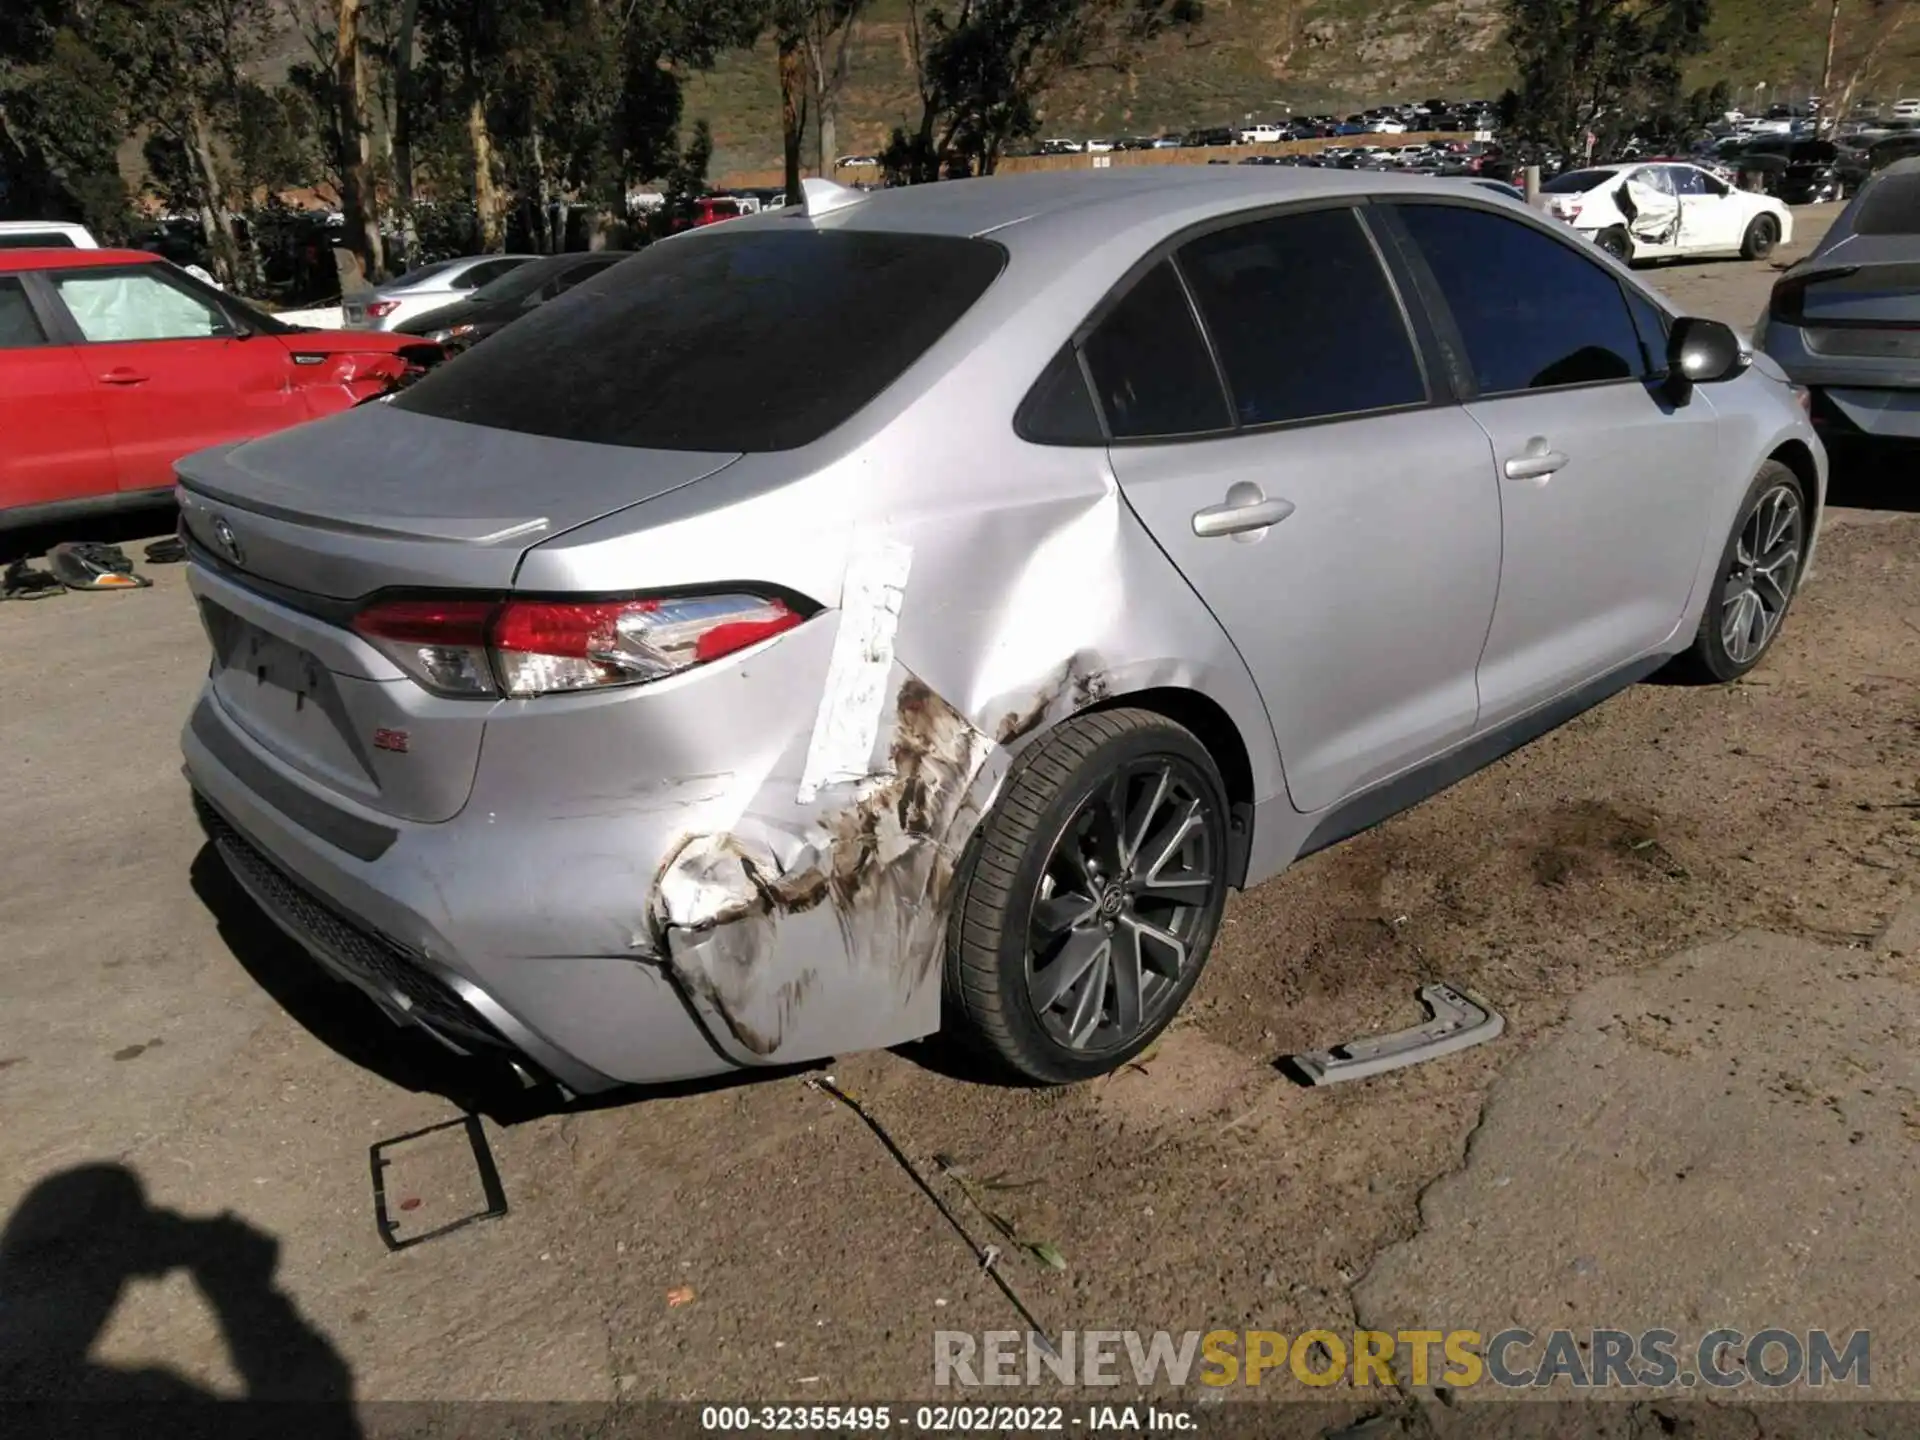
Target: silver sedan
916 611
424 288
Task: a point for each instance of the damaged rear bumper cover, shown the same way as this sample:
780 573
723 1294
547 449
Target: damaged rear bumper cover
758 929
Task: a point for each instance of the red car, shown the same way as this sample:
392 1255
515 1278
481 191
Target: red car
114 364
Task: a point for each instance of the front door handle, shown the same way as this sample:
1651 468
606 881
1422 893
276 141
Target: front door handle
124 375
1246 508
1536 462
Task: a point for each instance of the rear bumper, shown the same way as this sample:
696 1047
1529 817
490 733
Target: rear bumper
1851 415
410 929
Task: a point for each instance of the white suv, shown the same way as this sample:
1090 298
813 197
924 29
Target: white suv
45 234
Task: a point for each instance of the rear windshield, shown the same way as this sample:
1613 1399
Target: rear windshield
758 339
36 240
1886 292
1576 182
1890 206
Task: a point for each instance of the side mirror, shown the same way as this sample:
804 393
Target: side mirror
1699 352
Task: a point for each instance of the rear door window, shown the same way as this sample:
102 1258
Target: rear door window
1152 373
1304 319
485 274
19 326
756 339
1532 312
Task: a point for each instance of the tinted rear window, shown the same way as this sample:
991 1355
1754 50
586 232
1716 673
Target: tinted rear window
36 240
1577 182
1890 206
762 339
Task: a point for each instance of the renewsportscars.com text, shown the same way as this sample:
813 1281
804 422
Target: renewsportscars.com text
1457 1359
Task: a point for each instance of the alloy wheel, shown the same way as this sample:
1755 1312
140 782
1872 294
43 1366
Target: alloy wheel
1766 563
1124 892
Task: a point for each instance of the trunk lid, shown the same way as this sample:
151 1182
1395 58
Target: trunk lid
379 498
294 529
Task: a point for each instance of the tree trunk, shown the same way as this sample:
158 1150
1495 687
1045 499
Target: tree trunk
486 218
793 110
542 196
829 136
1827 111
358 200
403 106
216 221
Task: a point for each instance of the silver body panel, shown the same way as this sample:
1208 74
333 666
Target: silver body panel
654 882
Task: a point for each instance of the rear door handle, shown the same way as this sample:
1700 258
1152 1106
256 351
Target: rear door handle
123 375
1536 462
1246 508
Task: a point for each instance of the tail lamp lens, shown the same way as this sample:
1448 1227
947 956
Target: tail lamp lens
482 648
380 309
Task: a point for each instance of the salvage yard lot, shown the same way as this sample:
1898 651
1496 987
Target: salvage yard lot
755 1241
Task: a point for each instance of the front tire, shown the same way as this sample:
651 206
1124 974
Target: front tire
1754 585
1763 233
1091 897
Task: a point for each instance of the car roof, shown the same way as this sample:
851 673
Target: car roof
1097 201
55 258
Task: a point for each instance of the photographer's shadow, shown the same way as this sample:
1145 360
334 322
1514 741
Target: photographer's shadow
67 1254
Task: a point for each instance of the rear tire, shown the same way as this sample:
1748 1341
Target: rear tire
1754 584
1090 897
1763 233
1616 243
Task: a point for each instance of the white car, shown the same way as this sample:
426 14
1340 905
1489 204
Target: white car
424 288
45 235
1262 134
1386 127
1663 210
1906 110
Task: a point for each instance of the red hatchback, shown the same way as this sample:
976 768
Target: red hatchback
114 364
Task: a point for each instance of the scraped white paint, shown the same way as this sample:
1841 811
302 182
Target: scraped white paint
848 722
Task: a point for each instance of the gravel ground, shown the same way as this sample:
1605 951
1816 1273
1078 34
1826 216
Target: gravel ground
171 1071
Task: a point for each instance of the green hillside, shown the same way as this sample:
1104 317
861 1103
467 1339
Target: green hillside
1260 56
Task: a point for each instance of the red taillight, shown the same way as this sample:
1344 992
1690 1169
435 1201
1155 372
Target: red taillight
380 309
538 647
440 643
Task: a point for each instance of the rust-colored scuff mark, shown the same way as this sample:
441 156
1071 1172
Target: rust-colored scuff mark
1076 683
882 860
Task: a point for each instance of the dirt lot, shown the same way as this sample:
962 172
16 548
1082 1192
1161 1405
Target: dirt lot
189 1100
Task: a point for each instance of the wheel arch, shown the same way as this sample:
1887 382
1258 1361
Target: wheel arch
1215 729
1797 457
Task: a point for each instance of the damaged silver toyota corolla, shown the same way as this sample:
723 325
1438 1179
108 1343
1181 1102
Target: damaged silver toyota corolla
918 610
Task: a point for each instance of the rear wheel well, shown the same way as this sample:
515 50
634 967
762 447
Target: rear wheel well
1214 728
1799 459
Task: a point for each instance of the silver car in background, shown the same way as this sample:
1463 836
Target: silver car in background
917 610
424 288
1845 321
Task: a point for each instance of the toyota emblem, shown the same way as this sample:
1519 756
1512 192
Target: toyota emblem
228 542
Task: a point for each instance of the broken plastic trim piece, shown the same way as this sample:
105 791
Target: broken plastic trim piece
1457 1021
491 1189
